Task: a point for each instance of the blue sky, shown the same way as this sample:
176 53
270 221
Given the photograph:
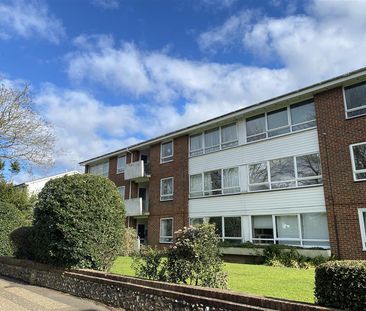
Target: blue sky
109 73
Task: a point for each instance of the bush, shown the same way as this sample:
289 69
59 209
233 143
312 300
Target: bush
79 222
341 284
22 241
10 219
129 242
149 263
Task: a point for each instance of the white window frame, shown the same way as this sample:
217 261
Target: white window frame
121 170
296 179
124 191
362 211
167 158
289 121
166 197
222 189
276 239
354 170
203 149
166 236
346 110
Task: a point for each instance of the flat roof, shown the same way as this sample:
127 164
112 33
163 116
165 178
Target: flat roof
356 75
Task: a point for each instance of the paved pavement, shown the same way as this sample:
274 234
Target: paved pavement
18 296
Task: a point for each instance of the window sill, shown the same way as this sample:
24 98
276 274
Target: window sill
166 200
161 162
354 117
160 242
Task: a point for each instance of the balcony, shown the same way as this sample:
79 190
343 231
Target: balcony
137 171
136 207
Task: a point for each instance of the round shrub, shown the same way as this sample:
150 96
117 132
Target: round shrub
79 222
10 219
341 284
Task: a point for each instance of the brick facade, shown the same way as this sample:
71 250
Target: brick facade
343 196
178 207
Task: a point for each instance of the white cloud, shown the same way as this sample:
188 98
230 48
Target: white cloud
29 19
85 127
106 4
326 41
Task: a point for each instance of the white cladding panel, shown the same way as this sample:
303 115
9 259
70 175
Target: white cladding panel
289 145
301 200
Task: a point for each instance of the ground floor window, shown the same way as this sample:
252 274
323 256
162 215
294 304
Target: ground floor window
166 230
362 217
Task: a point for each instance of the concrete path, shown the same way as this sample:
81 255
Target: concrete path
18 296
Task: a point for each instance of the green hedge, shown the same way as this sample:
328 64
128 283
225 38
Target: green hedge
79 222
341 284
10 219
22 240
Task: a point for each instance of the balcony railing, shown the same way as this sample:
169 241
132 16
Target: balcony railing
136 207
137 171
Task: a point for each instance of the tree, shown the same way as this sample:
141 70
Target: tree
24 135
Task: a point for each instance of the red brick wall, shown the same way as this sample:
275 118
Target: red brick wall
343 196
178 207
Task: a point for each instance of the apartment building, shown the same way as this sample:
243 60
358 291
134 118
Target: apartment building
290 170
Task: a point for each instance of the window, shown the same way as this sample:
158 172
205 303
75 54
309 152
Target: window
217 221
121 164
100 169
166 152
196 221
256 128
355 97
278 122
358 155
306 230
258 176
286 172
195 186
232 229
362 218
229 136
195 145
166 230
215 182
302 116
212 140
212 182
166 189
121 191
262 229
289 119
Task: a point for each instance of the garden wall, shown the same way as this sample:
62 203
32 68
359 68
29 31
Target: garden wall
138 294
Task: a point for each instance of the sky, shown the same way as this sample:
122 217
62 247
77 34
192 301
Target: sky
108 73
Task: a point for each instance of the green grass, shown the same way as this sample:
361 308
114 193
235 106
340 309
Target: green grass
287 283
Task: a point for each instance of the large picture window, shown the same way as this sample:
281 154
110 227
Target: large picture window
213 140
213 182
286 172
101 169
355 97
358 155
278 122
166 189
166 230
166 154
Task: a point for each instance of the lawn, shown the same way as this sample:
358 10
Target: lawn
287 283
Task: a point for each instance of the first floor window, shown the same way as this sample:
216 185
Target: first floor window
358 155
166 230
262 229
196 221
212 184
288 230
232 229
362 217
355 100
258 176
314 229
121 191
282 173
121 164
231 180
217 221
166 153
166 189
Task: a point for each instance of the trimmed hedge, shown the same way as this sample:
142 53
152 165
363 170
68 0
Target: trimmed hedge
341 284
79 222
10 219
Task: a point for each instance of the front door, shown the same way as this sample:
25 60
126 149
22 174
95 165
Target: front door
141 232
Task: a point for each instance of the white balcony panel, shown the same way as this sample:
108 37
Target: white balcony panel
300 200
134 170
133 207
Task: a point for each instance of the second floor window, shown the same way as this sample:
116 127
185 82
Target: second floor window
358 155
101 169
166 189
121 164
166 153
121 191
355 97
